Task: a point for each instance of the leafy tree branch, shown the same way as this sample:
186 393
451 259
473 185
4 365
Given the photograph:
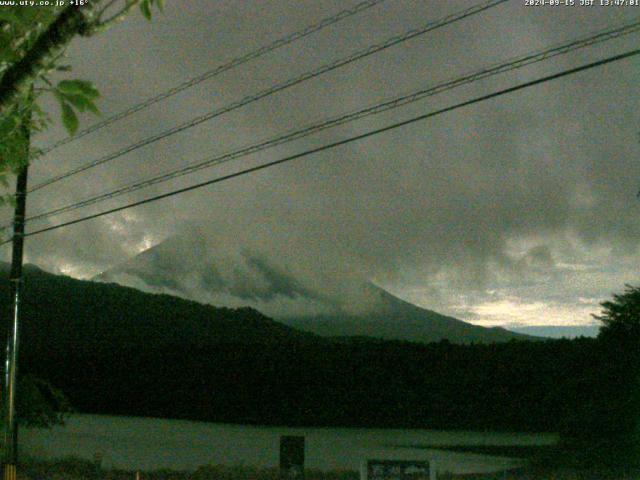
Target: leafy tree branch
72 21
32 45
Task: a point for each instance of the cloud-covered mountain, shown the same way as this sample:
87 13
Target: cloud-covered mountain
349 307
188 267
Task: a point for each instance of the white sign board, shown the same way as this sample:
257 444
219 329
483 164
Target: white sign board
397 470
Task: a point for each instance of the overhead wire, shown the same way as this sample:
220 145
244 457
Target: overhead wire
281 42
449 19
355 138
516 63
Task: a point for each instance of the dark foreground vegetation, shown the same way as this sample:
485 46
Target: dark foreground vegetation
115 350
75 469
555 386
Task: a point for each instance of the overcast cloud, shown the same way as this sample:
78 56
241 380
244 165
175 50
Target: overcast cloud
517 211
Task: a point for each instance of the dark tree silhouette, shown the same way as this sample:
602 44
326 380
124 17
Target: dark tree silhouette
616 391
621 318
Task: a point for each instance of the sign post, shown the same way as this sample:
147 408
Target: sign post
291 457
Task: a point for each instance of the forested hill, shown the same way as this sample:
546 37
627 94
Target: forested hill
68 314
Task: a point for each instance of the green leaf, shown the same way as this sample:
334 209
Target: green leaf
145 8
92 108
69 118
81 103
24 18
8 124
88 89
78 87
7 15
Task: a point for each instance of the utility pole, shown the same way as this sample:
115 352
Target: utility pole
15 279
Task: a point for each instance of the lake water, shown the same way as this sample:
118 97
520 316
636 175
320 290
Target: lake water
149 443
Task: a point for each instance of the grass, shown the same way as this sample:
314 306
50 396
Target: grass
513 451
79 469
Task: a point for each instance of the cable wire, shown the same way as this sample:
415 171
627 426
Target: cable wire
355 138
281 42
519 62
277 88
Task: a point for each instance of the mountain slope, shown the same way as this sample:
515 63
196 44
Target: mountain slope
396 319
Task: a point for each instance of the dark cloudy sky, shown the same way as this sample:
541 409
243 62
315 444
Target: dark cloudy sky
517 211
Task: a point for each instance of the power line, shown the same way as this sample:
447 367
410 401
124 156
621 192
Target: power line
519 62
343 142
281 42
278 88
